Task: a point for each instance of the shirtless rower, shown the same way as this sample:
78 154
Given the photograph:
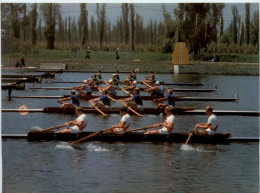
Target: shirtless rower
138 102
167 125
211 126
104 98
169 98
73 97
157 90
83 89
124 124
79 124
150 79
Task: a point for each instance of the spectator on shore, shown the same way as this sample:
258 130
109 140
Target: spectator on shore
88 53
22 62
117 54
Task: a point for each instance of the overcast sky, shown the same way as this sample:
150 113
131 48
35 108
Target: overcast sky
149 11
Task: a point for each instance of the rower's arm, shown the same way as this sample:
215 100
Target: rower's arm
93 100
120 125
126 99
64 99
202 125
161 99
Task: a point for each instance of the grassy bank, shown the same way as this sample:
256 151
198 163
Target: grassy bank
79 54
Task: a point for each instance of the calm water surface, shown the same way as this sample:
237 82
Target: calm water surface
133 167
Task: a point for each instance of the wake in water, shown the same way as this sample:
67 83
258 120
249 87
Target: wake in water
64 145
186 147
85 146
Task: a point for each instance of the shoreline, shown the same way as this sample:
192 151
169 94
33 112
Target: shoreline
213 68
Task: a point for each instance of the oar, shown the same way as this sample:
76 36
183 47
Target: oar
146 84
50 128
126 91
90 136
130 109
141 128
190 134
97 109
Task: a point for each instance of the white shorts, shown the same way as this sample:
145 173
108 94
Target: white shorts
75 129
120 130
139 106
210 132
164 131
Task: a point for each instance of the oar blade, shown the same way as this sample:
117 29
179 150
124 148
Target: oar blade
37 128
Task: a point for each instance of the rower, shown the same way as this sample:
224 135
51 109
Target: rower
169 98
211 126
167 125
124 124
150 79
132 76
104 98
115 79
73 97
83 89
91 82
99 76
156 90
79 124
117 75
136 98
111 88
132 86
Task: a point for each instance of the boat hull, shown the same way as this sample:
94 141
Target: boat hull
129 137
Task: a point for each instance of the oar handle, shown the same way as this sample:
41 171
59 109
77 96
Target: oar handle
54 127
97 109
190 135
90 136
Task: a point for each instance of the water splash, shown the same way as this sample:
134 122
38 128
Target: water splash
186 147
63 145
92 147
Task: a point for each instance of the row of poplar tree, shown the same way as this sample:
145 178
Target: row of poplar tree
197 24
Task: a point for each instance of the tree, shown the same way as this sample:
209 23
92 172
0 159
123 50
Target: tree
92 29
247 23
50 12
255 29
34 23
101 21
215 12
83 23
25 21
234 24
132 15
69 29
125 11
15 10
39 30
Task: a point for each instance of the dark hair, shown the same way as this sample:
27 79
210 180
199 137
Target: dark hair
151 71
124 109
79 109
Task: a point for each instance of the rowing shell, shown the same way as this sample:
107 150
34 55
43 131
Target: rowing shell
141 111
177 98
129 137
141 89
